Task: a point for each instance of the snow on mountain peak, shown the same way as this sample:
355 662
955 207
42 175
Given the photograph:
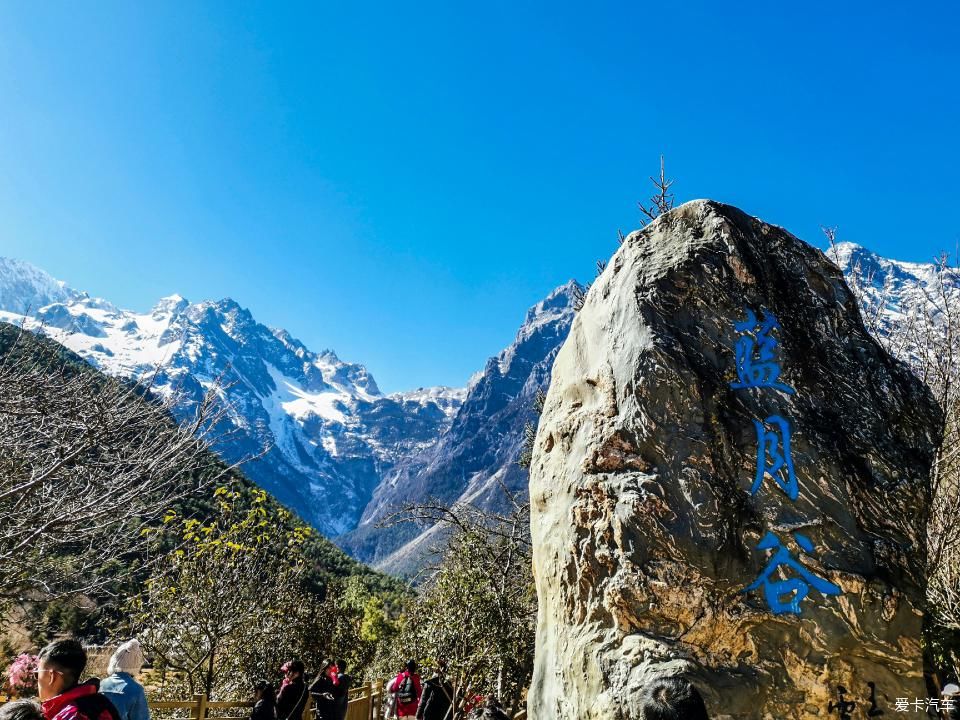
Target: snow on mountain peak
309 421
892 294
448 399
560 300
874 271
555 310
171 305
290 341
25 288
842 252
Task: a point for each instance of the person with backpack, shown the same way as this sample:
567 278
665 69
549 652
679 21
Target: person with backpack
121 686
60 666
408 688
292 698
436 702
324 690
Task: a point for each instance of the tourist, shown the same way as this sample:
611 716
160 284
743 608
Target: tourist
389 703
672 698
342 695
292 698
120 686
436 702
264 702
493 711
60 666
21 710
408 688
323 689
951 692
472 702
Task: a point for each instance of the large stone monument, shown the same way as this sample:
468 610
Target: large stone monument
729 484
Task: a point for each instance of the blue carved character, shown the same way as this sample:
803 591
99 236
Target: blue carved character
773 456
755 357
796 588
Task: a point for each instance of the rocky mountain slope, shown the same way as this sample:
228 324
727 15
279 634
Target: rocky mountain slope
341 453
477 455
481 447
320 432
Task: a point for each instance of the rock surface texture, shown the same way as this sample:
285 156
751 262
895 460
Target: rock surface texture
647 513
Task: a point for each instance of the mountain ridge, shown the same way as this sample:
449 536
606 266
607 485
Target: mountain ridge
341 453
319 430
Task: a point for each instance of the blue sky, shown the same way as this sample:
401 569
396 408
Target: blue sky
399 182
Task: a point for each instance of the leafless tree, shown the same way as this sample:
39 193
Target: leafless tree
924 333
661 201
830 232
580 293
483 570
86 462
931 346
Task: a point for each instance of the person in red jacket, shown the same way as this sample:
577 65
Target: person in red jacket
407 687
59 668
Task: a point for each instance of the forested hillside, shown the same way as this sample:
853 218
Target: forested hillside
102 492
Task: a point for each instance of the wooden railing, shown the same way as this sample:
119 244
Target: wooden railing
364 703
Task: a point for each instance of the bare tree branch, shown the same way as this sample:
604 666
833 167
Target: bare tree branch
86 462
661 201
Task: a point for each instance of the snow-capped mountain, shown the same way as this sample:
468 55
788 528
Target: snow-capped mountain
25 288
321 434
897 299
480 448
341 453
478 454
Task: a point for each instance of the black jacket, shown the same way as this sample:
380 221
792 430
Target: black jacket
341 695
264 710
326 706
436 700
95 706
291 700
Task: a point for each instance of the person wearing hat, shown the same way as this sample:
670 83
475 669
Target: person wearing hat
950 700
121 686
